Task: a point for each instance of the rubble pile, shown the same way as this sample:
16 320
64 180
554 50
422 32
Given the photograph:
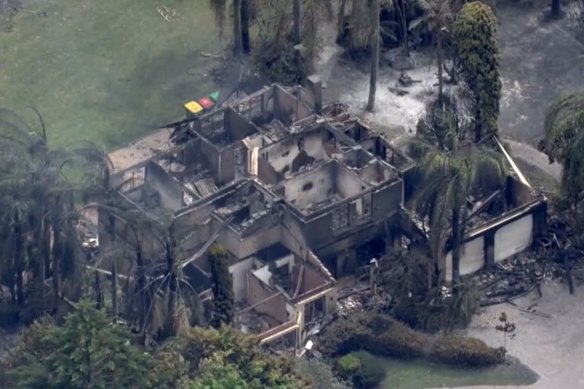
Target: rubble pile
515 276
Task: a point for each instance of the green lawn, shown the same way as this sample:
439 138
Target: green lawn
109 71
420 374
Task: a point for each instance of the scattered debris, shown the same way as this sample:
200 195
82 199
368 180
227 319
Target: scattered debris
167 13
397 91
406 80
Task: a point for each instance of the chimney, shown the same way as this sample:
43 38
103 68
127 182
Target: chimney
314 84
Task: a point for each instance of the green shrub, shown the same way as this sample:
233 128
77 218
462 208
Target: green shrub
371 373
376 333
344 336
400 341
458 350
435 314
348 366
361 368
319 374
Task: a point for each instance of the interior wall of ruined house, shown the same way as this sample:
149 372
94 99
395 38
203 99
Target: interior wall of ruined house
226 166
237 127
238 273
191 155
357 158
211 156
388 199
311 280
210 123
274 308
375 172
289 155
310 187
266 173
347 183
287 108
169 189
243 248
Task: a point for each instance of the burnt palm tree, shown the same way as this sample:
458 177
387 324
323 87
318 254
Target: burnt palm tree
452 168
556 9
297 28
38 196
438 17
374 44
219 9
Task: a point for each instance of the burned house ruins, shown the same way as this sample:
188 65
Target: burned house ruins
299 194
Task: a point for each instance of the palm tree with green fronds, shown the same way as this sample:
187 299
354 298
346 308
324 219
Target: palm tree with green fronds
452 168
564 142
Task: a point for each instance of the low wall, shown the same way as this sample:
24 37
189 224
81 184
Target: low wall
501 239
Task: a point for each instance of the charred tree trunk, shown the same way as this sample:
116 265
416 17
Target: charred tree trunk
568 269
401 8
114 290
19 261
237 43
141 292
56 268
440 60
245 22
374 20
341 19
456 246
556 10
98 292
297 27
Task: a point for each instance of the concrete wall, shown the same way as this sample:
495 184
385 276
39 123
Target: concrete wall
238 273
347 183
472 258
266 173
237 126
210 155
282 154
257 291
312 279
513 238
170 190
314 186
288 109
375 173
243 248
388 198
226 165
497 243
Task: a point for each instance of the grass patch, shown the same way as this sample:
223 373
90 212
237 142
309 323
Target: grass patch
106 71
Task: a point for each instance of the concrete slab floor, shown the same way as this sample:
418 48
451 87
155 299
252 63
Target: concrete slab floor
541 61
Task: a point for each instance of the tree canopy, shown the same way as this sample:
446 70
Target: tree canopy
475 34
564 142
89 351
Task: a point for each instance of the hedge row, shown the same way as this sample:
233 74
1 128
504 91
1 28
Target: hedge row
382 335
